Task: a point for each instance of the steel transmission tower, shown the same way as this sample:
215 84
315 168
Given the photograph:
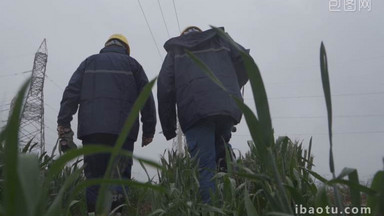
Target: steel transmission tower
32 116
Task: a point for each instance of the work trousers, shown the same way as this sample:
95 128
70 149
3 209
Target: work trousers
207 140
96 166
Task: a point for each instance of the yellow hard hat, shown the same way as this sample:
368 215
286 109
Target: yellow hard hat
121 38
190 29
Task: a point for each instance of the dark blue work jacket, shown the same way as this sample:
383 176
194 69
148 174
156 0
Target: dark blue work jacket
184 84
104 88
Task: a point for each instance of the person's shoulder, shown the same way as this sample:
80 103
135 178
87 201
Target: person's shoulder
93 56
134 61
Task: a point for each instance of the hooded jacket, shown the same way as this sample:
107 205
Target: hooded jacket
184 84
104 88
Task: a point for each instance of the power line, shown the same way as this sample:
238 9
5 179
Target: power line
4 110
150 30
340 133
335 116
322 96
340 62
54 83
320 134
162 14
16 74
18 56
177 17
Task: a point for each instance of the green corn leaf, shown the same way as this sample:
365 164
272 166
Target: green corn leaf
352 185
258 89
56 209
375 201
355 193
64 159
137 106
309 165
327 95
101 181
206 69
212 210
158 212
322 198
29 177
251 210
328 102
26 147
317 176
11 181
345 172
261 132
254 127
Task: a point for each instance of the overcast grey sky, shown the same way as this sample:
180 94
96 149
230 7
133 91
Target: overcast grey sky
284 38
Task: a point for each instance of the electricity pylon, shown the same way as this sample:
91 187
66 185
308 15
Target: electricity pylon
32 116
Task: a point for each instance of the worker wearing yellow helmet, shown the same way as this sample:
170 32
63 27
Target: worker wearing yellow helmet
120 40
190 29
102 90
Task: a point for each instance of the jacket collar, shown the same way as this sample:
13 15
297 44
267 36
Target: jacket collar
115 49
190 40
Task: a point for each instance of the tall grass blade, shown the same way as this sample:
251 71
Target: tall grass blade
90 182
26 147
134 113
355 193
251 210
322 197
258 89
11 181
29 176
262 131
317 176
352 185
206 69
376 200
145 170
254 128
345 172
328 102
56 208
309 153
59 164
252 122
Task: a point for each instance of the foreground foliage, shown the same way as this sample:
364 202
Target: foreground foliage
271 179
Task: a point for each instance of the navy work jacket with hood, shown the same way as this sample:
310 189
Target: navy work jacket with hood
183 83
105 87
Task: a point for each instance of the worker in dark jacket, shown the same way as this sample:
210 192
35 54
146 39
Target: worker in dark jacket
104 88
206 112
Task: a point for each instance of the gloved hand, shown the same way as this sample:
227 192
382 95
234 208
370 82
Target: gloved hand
61 130
65 139
146 141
